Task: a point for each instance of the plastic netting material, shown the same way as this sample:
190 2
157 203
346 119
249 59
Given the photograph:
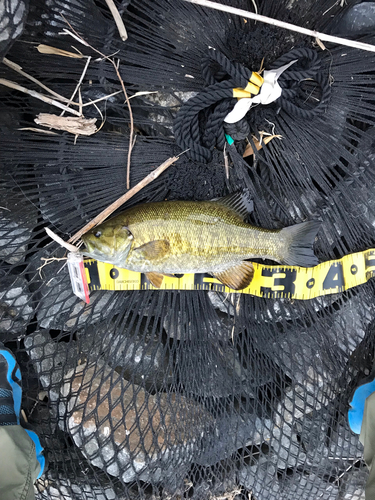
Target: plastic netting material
185 394
13 15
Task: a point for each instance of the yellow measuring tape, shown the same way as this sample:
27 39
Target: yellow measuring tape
277 281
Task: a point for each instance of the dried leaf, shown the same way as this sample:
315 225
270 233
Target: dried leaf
74 125
143 92
320 43
47 49
42 395
265 140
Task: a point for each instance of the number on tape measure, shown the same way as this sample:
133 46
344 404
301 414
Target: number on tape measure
334 278
285 282
269 281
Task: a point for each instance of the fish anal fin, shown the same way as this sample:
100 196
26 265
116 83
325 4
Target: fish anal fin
156 279
153 250
237 277
240 202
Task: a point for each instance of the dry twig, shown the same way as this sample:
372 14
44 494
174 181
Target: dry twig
125 197
226 161
37 95
101 99
34 129
281 24
137 94
78 85
18 69
78 37
47 261
118 20
341 2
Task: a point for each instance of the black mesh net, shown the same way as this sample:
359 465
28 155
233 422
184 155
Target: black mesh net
189 394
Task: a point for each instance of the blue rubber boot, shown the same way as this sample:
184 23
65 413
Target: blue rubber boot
11 397
10 388
363 391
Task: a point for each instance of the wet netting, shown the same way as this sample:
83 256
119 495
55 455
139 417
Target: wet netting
187 394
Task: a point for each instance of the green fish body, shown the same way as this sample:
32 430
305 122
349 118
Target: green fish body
178 237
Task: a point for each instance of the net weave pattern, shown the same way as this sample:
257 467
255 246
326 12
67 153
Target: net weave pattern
191 394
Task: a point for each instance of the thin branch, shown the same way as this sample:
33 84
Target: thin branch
131 127
74 35
118 20
34 129
19 70
37 95
226 161
78 85
282 24
255 6
77 36
47 261
101 98
143 92
107 57
115 205
101 116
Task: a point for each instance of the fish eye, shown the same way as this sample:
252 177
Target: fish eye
98 234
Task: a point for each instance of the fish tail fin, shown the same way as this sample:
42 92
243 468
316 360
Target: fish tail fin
299 241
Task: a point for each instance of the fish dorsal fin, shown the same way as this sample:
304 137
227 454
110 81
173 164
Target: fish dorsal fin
153 250
240 202
237 277
156 279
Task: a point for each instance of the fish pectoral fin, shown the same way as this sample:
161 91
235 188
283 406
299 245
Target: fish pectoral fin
156 279
153 250
237 277
239 201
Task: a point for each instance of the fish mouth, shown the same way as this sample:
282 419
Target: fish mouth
94 254
91 250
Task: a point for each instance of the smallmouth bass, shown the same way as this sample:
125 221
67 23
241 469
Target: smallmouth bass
179 237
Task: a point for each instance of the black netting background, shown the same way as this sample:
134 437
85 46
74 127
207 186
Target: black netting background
161 395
